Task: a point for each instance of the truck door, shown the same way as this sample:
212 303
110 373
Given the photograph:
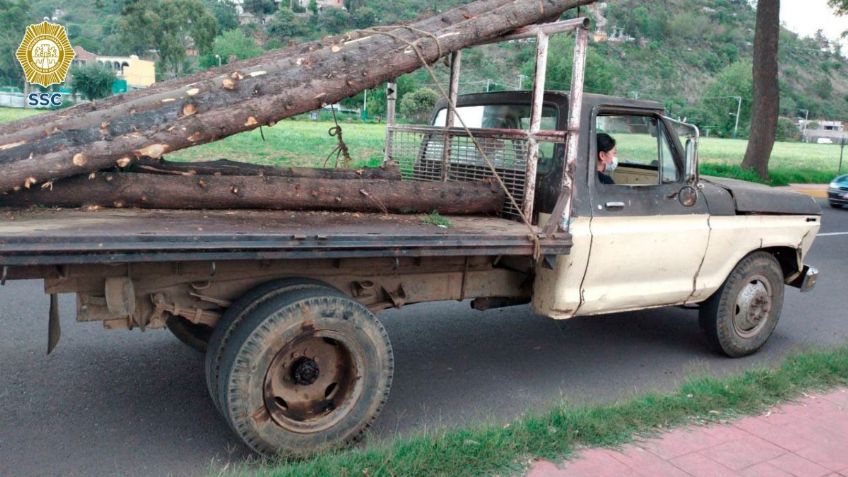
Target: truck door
646 246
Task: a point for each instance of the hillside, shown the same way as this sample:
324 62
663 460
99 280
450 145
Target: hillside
692 55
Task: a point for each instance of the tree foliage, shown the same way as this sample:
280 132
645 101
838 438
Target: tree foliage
260 7
167 26
286 25
234 44
418 104
14 18
92 81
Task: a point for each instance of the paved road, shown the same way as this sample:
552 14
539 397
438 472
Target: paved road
132 403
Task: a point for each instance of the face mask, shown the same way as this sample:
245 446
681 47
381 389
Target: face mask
612 166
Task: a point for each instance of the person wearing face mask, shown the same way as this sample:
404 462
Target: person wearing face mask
607 160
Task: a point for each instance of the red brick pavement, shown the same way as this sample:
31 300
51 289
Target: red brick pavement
807 438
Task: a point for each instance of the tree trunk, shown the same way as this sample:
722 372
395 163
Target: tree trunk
766 88
152 191
226 167
210 109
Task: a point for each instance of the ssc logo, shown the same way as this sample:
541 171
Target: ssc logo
45 54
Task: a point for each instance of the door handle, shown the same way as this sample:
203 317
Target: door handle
615 205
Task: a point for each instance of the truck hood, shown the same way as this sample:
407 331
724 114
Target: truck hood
751 198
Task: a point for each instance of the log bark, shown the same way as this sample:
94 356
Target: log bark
253 192
226 167
211 109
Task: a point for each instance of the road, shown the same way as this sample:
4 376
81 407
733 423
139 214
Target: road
133 403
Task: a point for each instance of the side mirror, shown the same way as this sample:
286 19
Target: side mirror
691 160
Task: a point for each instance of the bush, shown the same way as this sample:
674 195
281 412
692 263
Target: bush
418 104
92 81
787 130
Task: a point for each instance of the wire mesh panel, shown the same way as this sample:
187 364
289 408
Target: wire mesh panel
420 153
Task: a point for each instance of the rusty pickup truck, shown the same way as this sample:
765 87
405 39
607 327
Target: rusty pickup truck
284 303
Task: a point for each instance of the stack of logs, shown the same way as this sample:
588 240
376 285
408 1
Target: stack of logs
109 153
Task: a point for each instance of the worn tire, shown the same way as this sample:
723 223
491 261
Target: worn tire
237 311
739 318
271 403
192 335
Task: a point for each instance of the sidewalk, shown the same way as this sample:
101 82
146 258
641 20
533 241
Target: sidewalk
805 438
817 191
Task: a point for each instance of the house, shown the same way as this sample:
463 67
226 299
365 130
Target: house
822 131
136 72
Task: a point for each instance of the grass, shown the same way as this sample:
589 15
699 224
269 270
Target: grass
437 219
556 434
306 143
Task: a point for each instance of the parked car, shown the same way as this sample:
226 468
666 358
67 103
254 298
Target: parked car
837 191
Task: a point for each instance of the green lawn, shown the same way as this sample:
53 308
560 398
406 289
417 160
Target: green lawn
307 143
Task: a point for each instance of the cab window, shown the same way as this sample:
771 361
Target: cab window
644 152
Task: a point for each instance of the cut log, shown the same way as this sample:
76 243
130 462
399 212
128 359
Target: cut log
210 109
279 193
226 167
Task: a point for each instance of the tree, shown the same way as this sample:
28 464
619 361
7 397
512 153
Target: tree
14 18
364 17
167 26
334 20
235 44
766 88
92 81
418 104
313 6
286 24
260 7
600 72
225 14
719 104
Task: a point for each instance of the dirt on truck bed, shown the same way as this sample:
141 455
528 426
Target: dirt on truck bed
72 236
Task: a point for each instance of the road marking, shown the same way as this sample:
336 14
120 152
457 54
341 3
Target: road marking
832 233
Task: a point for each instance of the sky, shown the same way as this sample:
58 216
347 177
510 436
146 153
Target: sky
806 16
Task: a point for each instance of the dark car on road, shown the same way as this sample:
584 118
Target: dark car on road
837 191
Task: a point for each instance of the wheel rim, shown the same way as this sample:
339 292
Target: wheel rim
753 307
311 383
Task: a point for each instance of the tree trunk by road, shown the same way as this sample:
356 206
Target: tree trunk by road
766 88
151 125
152 191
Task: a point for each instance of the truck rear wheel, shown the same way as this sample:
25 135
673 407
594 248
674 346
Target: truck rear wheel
739 318
306 371
234 315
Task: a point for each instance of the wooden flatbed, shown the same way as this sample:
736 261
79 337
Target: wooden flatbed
73 236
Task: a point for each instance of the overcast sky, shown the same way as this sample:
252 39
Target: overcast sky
807 16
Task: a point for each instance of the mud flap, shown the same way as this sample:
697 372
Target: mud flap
54 331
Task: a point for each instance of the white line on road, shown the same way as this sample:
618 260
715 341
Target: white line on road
832 233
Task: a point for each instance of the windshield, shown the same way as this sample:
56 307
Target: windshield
499 116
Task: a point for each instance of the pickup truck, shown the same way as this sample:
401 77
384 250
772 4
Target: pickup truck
284 303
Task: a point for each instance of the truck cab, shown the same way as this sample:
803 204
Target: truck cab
657 234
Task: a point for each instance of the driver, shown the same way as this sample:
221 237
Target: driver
607 160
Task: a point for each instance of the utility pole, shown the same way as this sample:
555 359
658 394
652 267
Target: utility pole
521 81
488 83
738 112
806 120
365 106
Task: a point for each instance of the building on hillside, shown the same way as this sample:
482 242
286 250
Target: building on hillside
322 4
136 72
822 131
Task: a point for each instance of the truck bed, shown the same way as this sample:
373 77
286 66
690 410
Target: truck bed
72 236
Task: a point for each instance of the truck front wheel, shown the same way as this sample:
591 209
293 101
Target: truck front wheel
306 371
739 318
